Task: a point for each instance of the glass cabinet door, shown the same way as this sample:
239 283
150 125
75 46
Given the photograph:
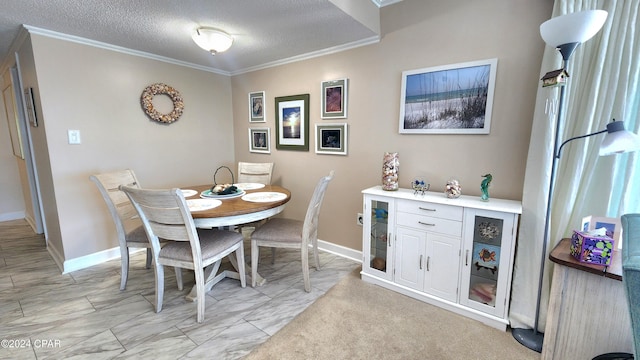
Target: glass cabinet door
485 260
489 241
377 228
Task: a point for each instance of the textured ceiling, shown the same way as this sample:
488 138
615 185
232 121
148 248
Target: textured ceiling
265 31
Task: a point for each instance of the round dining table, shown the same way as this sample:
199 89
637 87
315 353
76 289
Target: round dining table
255 202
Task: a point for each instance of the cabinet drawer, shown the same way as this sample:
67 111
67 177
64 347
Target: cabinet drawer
429 223
431 209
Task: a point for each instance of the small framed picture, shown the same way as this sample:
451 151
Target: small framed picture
292 122
256 107
334 99
259 140
331 139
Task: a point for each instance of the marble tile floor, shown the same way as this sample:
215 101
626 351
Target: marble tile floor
48 315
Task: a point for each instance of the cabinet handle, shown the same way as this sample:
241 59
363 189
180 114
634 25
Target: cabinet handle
426 209
466 258
389 239
428 258
420 262
427 224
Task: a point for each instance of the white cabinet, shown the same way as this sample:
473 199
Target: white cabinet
453 253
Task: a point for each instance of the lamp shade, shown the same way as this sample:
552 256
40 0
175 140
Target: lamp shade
618 140
212 40
571 28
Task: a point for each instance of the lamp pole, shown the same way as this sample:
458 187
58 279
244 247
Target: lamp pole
532 338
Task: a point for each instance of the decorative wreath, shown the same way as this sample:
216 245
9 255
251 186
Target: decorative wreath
163 89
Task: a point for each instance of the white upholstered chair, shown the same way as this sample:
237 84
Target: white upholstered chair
255 172
128 225
290 233
165 214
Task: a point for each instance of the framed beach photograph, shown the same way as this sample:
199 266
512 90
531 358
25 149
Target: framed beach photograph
259 140
292 122
256 107
449 99
331 139
333 99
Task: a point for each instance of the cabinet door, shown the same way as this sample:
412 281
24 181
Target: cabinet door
410 259
486 272
377 234
442 266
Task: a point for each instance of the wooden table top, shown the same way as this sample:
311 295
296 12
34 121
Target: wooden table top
561 255
237 206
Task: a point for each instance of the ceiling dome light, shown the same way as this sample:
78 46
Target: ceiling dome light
212 40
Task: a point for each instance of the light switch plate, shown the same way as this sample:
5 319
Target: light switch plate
74 137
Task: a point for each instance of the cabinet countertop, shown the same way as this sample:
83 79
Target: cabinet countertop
561 255
494 204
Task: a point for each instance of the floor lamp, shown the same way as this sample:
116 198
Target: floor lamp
564 33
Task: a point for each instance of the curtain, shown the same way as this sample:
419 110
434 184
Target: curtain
603 85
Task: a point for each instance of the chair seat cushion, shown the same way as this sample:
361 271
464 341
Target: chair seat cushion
212 243
138 236
279 229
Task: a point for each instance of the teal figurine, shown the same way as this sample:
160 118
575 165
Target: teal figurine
484 186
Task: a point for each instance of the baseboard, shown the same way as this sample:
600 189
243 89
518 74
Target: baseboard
90 260
16 215
57 257
86 261
340 250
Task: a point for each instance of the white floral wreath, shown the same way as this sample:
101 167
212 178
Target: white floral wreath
159 88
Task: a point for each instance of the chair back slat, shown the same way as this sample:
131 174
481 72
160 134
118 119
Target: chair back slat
122 211
165 215
310 227
255 172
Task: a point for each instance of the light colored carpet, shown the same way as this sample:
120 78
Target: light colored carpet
357 320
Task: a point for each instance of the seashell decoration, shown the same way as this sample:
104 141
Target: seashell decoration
453 189
390 167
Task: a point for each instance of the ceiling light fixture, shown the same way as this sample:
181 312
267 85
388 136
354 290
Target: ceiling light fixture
213 40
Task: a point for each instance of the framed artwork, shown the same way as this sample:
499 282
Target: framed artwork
292 122
256 107
331 139
12 119
31 109
333 99
259 140
449 99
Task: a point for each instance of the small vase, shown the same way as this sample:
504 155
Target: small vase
390 166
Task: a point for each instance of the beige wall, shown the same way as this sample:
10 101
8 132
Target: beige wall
415 34
97 91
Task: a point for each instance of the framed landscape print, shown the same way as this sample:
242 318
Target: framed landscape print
331 139
259 140
333 99
256 107
450 99
292 122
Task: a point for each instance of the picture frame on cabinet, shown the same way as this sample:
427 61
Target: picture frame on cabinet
256 107
331 139
333 99
260 140
448 99
292 122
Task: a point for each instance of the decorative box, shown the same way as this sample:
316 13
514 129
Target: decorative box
591 249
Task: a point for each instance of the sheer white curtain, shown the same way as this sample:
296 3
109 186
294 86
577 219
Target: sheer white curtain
603 85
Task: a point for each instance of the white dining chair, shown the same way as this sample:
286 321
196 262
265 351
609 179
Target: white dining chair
128 225
291 233
255 172
165 214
